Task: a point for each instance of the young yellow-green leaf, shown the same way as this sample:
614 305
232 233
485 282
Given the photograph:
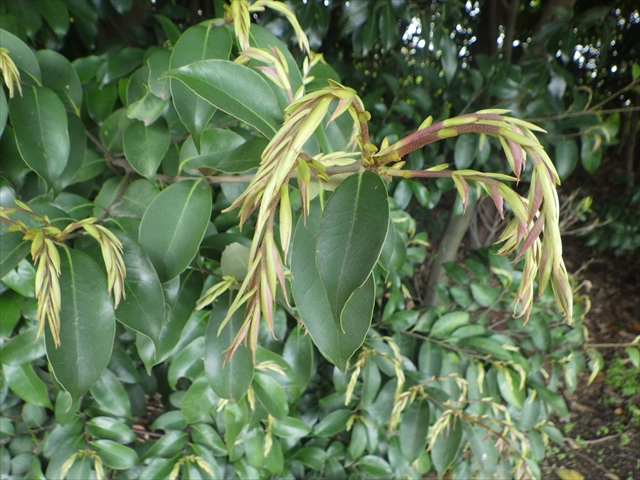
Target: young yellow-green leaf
87 324
196 43
40 123
224 84
413 430
350 238
232 379
173 226
145 146
313 305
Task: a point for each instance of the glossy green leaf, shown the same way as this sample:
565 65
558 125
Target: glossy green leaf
313 305
187 363
290 427
87 324
590 153
114 455
148 109
216 146
413 430
100 101
110 429
4 111
224 85
173 226
22 55
230 379
487 346
59 75
22 348
12 250
206 435
112 130
145 146
159 468
566 157
56 15
111 396
509 385
40 123
121 63
196 43
374 466
243 158
270 395
10 306
350 238
235 418
171 443
26 384
170 29
333 423
298 352
198 401
77 150
484 294
22 279
465 151
171 420
553 399
158 63
234 261
445 448
143 307
371 381
445 325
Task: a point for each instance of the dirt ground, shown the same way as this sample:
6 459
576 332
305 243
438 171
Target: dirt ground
603 434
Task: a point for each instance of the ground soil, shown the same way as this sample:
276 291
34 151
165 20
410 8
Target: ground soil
602 438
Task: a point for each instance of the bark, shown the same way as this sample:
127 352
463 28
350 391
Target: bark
447 251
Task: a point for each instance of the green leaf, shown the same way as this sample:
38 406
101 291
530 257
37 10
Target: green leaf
22 55
371 381
509 385
100 101
87 324
483 449
173 226
333 423
373 466
158 63
171 443
313 305
590 153
312 457
445 325
112 130
4 111
198 401
12 250
553 399
484 294
10 306
77 150
634 356
465 150
56 15
40 125
159 468
111 396
566 157
114 455
487 346
148 109
206 435
449 56
350 238
22 279
290 427
224 84
243 158
180 296
270 395
445 448
230 379
235 418
197 43
22 348
413 430
145 146
24 382
171 420
235 261
216 146
110 429
121 63
187 363
298 352
143 307
171 30
59 75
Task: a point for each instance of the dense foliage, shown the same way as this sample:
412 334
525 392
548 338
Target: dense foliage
201 223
